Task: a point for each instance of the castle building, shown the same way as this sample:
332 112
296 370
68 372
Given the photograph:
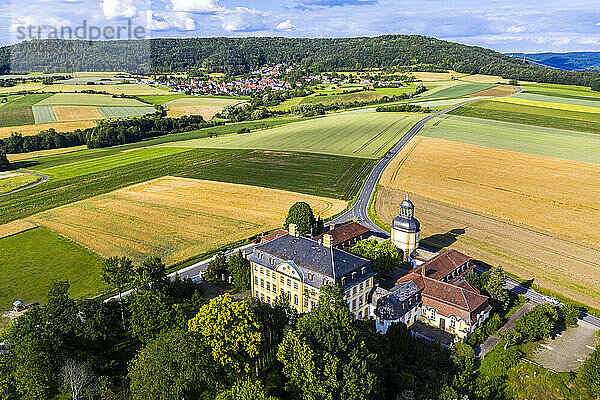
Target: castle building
296 268
406 229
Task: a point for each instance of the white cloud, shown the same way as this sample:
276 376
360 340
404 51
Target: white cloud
561 42
119 9
158 21
598 24
242 19
38 21
285 26
515 29
196 6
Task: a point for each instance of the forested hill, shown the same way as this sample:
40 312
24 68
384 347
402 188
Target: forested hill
581 60
238 55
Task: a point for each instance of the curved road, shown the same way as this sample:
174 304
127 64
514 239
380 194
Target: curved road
45 178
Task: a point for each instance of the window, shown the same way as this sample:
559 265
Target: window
452 323
274 289
272 261
255 267
433 313
296 285
311 276
354 290
289 282
353 304
305 302
379 321
268 274
268 300
261 270
403 306
282 291
367 283
262 283
255 280
360 315
361 286
282 280
262 297
268 286
296 299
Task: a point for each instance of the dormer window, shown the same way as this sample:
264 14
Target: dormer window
353 275
343 281
364 270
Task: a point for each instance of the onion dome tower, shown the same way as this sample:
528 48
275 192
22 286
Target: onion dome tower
405 229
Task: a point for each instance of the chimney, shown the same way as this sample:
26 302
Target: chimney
293 230
327 240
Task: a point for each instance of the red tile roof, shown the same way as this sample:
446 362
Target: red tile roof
443 264
273 235
349 230
447 298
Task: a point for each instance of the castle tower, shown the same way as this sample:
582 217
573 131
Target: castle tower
405 229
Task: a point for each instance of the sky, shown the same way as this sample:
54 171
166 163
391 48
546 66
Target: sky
502 25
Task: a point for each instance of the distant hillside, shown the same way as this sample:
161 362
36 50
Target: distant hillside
573 61
238 55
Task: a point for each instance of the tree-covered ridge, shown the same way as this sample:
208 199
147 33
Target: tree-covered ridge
239 55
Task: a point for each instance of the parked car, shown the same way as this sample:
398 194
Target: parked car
552 300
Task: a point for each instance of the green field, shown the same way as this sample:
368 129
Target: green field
85 99
538 116
31 260
43 114
459 90
317 174
160 99
11 181
552 89
18 110
572 100
570 145
125 111
354 134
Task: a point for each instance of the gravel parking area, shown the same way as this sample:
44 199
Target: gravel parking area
568 350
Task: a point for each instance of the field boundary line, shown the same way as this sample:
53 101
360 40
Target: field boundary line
44 179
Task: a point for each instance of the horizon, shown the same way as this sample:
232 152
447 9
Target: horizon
505 26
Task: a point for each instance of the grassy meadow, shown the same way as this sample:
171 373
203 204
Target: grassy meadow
31 260
558 143
459 90
18 110
355 134
14 180
175 218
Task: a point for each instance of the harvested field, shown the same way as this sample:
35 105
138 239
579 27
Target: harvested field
556 262
207 112
483 79
28 130
499 90
76 113
12 228
25 86
122 112
134 89
175 218
85 99
436 76
43 153
555 195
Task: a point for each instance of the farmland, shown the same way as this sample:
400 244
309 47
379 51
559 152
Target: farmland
31 260
570 145
551 89
531 115
175 218
18 110
43 114
84 99
514 186
14 180
125 111
134 89
75 113
556 262
561 103
28 130
205 106
459 90
355 134
315 174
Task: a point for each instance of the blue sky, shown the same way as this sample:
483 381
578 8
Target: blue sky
503 25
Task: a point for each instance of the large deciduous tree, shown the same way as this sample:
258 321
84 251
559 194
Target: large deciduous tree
152 274
117 272
384 256
302 216
77 378
231 331
245 390
495 287
4 163
239 267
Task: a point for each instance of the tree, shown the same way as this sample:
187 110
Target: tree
216 266
116 272
537 324
320 226
496 289
245 390
239 267
569 313
595 85
6 384
589 375
151 315
231 331
152 274
302 216
384 256
174 366
4 163
76 378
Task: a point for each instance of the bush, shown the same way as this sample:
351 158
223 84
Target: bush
243 130
537 324
4 163
569 314
484 331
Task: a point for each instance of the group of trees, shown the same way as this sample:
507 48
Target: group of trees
4 163
237 266
108 133
384 256
404 108
234 56
301 214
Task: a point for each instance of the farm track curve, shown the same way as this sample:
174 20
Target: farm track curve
45 178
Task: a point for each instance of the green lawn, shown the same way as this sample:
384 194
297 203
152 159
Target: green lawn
31 260
530 115
18 110
10 181
355 134
459 90
317 174
570 145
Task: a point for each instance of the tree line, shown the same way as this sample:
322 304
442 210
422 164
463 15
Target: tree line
236 56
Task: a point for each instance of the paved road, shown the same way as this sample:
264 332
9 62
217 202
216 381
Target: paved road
494 339
45 178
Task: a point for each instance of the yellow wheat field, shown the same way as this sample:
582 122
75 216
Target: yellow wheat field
23 86
556 195
43 153
29 130
547 104
14 227
207 112
175 218
76 113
